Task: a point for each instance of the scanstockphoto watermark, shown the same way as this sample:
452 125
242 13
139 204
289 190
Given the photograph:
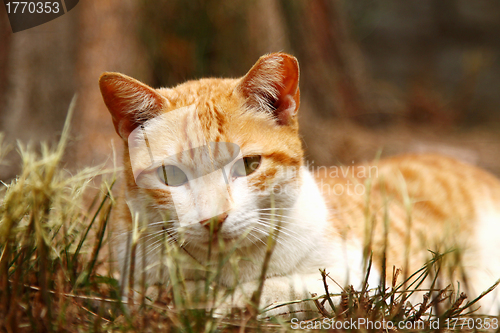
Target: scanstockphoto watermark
356 324
344 179
331 180
471 324
344 171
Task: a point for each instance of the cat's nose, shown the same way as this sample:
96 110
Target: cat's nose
216 220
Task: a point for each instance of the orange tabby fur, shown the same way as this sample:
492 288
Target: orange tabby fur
446 196
431 202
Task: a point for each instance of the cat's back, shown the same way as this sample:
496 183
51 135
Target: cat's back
441 186
427 200
438 186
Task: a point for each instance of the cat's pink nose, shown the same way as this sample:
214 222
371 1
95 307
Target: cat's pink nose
217 221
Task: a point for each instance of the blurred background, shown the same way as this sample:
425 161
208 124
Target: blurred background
376 75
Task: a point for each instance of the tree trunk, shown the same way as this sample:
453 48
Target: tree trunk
40 82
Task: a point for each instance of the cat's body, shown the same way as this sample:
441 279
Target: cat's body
323 217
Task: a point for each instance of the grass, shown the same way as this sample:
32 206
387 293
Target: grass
55 275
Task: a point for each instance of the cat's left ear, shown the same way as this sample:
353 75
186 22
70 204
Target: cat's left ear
130 102
272 85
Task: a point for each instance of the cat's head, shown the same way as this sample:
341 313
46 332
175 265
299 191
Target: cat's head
214 152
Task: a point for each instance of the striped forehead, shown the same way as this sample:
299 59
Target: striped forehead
213 121
186 128
175 136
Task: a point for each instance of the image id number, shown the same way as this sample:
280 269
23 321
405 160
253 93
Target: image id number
472 323
32 7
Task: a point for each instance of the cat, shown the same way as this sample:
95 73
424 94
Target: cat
218 164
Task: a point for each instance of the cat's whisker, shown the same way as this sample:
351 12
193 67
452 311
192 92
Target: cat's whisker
157 238
276 208
161 223
151 251
283 230
275 226
257 238
252 240
158 232
146 231
274 223
159 241
280 218
151 248
266 234
290 235
333 211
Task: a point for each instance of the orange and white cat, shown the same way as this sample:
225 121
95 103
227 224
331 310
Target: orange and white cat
223 157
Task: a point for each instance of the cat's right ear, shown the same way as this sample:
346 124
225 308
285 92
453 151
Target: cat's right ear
129 101
272 86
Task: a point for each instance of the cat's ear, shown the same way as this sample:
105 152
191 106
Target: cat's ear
272 85
129 101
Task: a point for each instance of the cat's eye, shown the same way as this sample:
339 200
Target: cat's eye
171 175
245 166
